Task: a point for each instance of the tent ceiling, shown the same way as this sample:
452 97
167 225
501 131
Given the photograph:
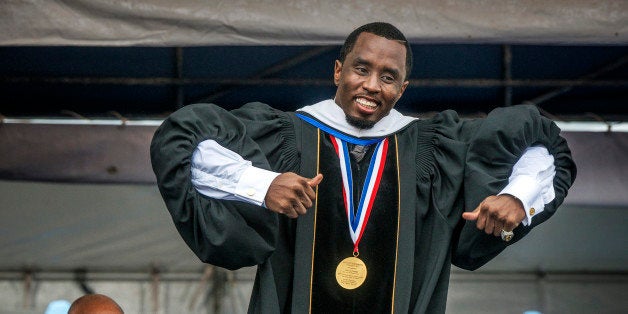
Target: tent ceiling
315 22
152 81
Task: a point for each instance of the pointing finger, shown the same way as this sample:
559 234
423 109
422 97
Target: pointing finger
472 215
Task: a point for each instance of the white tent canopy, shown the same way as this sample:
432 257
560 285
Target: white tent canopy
316 22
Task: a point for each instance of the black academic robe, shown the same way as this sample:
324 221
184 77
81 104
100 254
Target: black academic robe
447 166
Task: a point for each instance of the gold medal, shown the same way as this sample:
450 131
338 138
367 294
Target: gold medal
351 273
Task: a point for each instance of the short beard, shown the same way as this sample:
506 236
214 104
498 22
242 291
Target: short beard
360 123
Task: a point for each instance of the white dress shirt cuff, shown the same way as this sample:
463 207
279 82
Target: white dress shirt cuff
528 191
254 183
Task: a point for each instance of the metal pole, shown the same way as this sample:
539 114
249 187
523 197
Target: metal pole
219 287
507 73
201 286
155 288
28 282
179 74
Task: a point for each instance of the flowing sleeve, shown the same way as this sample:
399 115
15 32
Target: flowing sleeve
229 234
495 144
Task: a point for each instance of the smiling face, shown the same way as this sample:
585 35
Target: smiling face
371 79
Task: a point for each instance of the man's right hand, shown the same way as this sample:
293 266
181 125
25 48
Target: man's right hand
291 194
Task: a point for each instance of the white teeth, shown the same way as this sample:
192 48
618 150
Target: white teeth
366 103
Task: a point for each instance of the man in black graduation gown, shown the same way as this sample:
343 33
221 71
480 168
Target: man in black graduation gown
401 199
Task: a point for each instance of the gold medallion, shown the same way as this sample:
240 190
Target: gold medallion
351 273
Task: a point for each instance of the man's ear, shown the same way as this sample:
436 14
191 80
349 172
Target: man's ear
403 89
337 70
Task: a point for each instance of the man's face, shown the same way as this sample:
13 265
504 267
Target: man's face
371 79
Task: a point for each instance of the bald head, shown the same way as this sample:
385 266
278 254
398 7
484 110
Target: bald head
95 304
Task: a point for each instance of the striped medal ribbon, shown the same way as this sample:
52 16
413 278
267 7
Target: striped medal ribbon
351 272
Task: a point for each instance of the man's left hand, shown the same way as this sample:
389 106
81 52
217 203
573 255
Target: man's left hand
497 213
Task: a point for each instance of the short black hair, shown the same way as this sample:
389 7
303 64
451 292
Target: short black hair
382 29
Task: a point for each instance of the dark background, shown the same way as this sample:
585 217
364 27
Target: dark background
567 82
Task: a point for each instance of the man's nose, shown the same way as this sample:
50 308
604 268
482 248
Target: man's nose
371 84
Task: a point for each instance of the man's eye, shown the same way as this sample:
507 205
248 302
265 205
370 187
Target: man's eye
361 70
388 79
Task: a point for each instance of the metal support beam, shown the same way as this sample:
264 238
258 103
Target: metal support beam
507 73
285 64
585 80
219 289
28 289
478 83
179 74
155 282
80 277
201 286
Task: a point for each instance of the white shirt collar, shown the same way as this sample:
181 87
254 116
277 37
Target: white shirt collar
329 113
